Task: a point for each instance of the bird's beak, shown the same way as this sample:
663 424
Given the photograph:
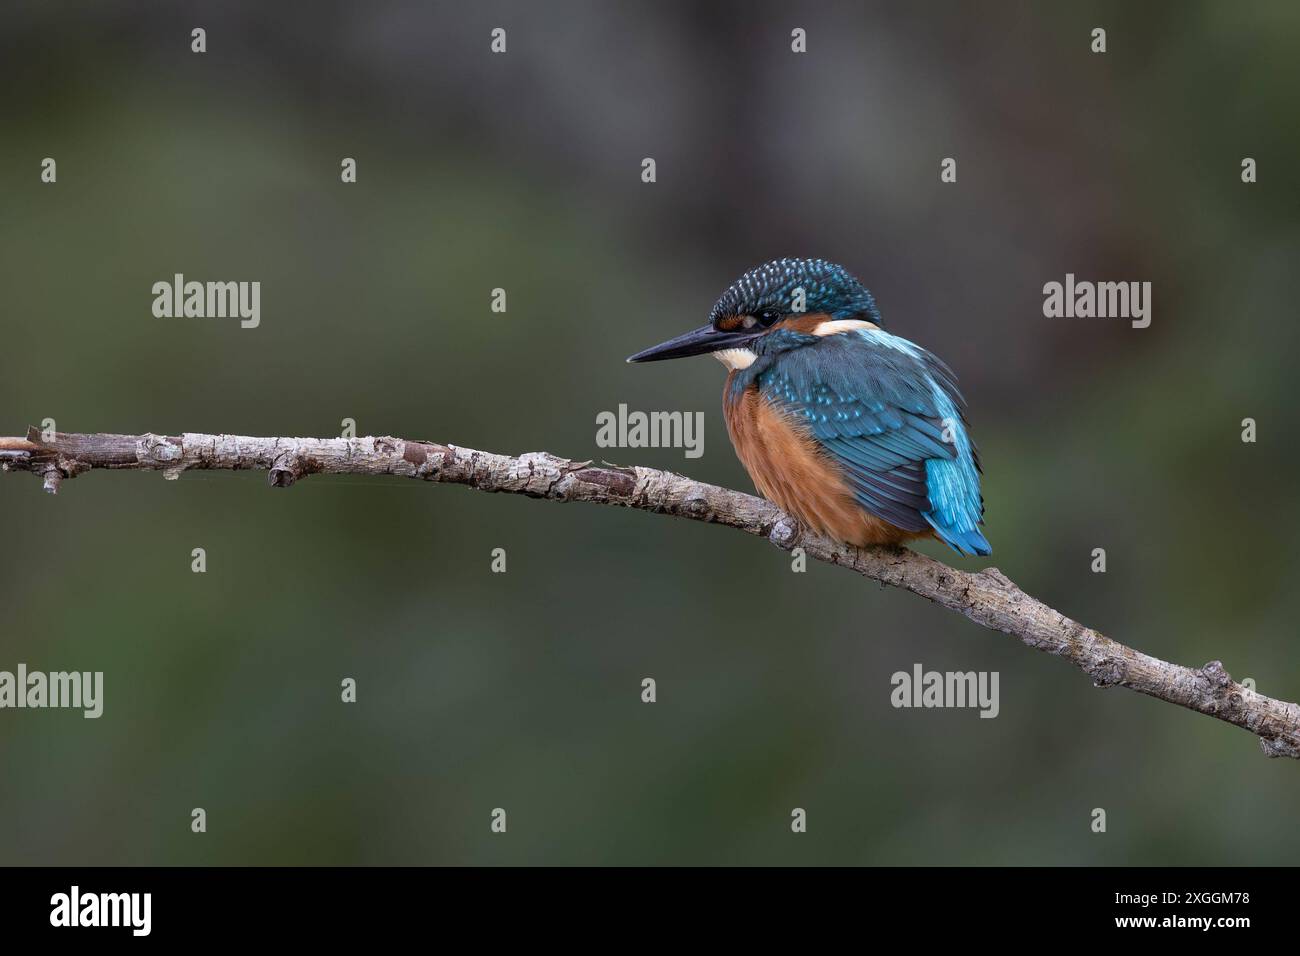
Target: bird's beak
697 342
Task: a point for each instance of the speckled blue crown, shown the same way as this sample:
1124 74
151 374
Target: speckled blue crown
770 288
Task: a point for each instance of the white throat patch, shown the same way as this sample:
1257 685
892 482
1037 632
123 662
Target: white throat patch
735 358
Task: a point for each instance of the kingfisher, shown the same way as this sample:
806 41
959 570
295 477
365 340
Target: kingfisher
857 433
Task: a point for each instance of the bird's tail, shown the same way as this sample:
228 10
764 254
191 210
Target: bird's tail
971 542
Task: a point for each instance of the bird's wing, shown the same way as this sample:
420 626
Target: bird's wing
890 415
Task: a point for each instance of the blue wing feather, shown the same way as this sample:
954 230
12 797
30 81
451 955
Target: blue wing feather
891 415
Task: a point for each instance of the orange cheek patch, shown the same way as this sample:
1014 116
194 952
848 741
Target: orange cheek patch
806 323
730 323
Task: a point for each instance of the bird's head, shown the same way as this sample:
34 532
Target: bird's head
799 294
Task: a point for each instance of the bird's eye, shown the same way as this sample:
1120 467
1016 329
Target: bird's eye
748 322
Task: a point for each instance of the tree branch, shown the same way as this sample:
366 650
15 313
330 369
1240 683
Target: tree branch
987 597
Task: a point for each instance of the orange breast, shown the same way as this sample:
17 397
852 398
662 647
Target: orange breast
789 470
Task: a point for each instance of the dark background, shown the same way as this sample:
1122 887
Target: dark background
522 171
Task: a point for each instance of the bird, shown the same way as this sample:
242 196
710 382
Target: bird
857 433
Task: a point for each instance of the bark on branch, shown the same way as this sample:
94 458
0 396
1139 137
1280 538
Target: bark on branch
987 597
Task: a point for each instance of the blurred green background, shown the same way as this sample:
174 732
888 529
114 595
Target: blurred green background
522 171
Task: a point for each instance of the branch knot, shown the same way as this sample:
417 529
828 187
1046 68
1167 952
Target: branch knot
785 533
287 468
